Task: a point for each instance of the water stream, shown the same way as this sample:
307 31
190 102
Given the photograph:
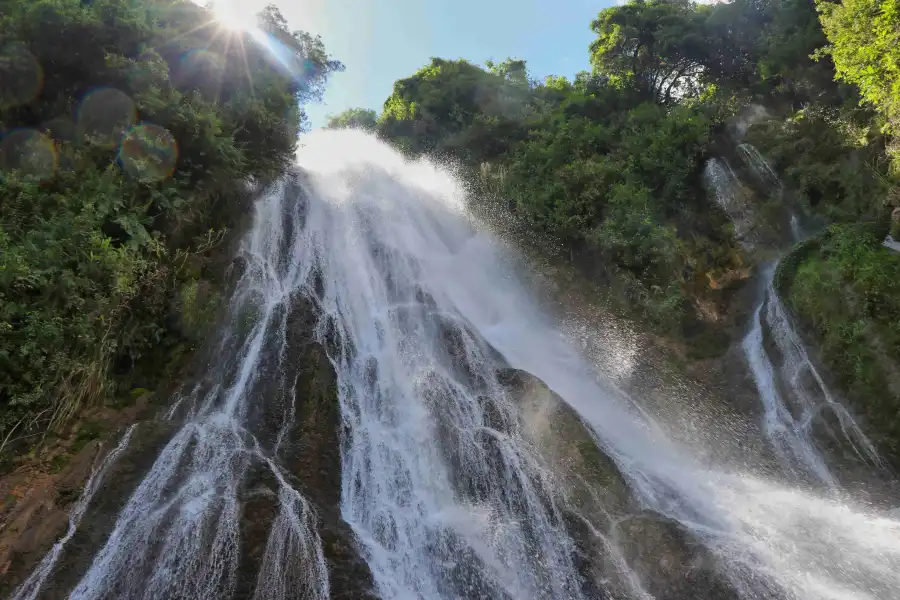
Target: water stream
35 582
421 312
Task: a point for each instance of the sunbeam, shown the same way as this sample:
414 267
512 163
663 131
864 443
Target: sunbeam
236 15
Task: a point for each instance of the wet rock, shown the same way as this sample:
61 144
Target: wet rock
667 561
311 451
597 484
119 482
259 508
40 516
598 494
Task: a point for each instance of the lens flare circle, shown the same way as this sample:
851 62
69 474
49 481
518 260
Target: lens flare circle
28 152
104 115
148 153
21 75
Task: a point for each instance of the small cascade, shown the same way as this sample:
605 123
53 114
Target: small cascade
796 229
35 582
794 395
891 244
734 199
759 166
179 535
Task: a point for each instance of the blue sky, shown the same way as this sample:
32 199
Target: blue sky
381 41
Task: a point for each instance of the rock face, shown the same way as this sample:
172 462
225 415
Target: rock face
41 515
668 562
313 454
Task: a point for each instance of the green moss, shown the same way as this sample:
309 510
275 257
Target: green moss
138 392
59 462
787 267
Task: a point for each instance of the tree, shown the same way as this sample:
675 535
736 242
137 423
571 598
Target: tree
657 47
864 38
360 118
131 128
459 108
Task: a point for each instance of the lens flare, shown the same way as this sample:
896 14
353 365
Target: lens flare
104 115
236 15
28 152
148 153
21 75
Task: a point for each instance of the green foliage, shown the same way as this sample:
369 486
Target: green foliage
614 179
865 46
655 47
457 108
359 118
835 161
128 131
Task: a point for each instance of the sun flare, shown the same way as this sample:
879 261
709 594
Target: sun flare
235 14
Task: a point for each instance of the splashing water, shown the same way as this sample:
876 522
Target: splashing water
420 312
439 481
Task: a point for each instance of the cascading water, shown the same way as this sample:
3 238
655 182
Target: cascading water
35 582
758 164
793 393
178 536
731 195
448 492
792 407
444 489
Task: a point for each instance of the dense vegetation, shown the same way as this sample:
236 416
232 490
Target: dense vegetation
610 164
129 132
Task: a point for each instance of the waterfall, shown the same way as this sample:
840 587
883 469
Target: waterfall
733 197
441 483
759 166
423 315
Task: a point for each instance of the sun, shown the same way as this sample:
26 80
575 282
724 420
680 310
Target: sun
237 15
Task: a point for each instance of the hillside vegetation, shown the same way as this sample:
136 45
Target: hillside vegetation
132 131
